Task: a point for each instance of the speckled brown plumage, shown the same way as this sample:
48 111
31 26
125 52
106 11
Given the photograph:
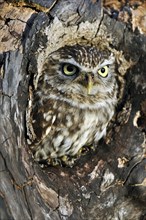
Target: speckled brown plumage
71 111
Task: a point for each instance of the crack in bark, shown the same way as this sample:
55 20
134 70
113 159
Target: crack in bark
8 211
34 6
4 94
29 210
17 186
5 141
131 170
8 170
100 23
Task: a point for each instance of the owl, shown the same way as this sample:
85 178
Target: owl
73 103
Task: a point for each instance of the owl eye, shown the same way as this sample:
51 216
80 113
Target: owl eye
103 71
69 69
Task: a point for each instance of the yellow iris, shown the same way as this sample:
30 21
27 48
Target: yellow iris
103 71
69 69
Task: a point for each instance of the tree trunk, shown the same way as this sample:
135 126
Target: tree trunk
106 183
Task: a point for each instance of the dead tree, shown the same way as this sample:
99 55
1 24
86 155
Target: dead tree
106 183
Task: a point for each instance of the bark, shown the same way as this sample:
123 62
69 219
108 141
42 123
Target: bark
106 183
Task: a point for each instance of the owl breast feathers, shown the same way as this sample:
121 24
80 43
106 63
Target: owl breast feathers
73 102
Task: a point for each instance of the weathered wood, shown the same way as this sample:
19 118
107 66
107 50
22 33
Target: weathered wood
106 183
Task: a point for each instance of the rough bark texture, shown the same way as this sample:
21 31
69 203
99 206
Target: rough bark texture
107 183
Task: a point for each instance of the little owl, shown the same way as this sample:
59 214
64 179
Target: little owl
73 103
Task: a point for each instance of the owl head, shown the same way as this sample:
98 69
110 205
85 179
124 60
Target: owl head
81 73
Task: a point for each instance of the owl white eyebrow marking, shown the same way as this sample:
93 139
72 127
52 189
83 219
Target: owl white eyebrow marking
71 61
108 61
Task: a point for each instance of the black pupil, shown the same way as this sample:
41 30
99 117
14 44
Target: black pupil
102 69
70 68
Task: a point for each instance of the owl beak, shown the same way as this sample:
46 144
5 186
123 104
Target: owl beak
89 79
